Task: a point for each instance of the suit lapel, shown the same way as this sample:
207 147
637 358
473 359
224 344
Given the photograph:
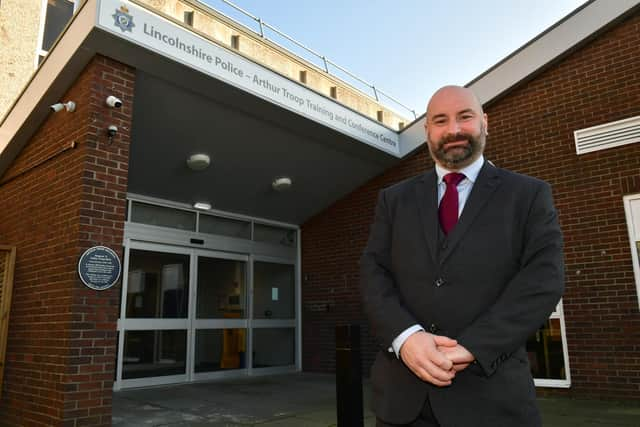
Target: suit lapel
427 197
487 182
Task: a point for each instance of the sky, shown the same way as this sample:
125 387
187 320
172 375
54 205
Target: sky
406 48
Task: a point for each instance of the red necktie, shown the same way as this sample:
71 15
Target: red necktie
448 211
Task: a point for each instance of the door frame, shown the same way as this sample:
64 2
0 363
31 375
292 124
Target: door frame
124 324
195 323
295 323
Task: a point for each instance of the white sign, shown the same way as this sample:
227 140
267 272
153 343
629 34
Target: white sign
146 29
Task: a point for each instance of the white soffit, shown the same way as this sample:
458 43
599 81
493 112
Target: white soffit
608 135
577 27
412 136
53 65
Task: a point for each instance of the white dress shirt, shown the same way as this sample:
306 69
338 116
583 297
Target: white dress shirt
464 189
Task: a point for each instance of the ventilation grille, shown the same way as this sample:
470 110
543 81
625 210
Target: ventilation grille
609 135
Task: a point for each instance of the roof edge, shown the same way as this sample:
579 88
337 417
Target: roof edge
30 108
561 38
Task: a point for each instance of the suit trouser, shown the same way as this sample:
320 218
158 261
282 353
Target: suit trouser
425 419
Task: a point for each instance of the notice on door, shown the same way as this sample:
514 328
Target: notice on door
99 268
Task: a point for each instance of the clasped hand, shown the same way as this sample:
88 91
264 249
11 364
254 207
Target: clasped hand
434 358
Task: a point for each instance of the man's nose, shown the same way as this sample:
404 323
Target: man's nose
453 127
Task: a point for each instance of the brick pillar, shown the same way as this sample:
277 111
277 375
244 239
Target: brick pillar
66 192
93 341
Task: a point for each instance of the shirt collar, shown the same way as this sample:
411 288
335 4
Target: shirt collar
470 172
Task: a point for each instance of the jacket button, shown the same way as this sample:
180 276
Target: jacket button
439 281
433 328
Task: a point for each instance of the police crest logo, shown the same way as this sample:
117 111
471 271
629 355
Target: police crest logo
123 20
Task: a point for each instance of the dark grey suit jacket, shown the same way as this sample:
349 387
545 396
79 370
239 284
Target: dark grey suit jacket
490 284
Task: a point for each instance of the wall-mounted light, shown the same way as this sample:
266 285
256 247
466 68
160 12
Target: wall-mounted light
198 162
203 206
70 106
281 183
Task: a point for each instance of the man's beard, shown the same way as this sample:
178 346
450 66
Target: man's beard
461 156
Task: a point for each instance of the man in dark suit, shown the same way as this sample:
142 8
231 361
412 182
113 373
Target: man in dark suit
462 265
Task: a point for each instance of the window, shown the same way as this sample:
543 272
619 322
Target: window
56 14
183 218
547 352
158 285
275 235
632 211
225 226
161 216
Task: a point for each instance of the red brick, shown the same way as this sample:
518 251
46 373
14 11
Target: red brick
48 193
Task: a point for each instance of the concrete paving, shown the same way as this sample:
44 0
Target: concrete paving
306 400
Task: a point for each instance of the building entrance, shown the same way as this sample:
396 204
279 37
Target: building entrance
190 314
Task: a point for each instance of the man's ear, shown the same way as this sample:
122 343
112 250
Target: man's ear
485 121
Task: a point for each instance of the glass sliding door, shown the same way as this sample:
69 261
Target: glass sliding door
154 330
274 309
220 317
187 313
154 353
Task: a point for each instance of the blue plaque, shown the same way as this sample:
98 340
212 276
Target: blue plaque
99 268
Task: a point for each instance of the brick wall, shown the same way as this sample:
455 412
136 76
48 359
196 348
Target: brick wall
64 193
531 131
332 243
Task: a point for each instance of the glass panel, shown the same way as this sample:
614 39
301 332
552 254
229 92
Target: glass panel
545 352
225 227
158 285
163 216
220 349
221 289
275 235
59 12
273 291
154 353
273 347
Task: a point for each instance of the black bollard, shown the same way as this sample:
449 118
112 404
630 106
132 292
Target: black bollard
348 376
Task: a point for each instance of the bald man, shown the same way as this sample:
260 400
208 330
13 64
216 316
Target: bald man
463 264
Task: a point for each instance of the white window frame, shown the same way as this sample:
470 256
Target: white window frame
634 236
558 313
43 17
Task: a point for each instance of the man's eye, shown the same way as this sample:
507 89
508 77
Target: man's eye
466 117
439 121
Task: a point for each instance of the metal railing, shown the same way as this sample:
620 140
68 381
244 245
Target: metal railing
377 93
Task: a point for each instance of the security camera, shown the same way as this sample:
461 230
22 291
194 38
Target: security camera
70 106
114 102
112 130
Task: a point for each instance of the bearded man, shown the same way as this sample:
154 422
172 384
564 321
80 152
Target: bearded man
463 264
